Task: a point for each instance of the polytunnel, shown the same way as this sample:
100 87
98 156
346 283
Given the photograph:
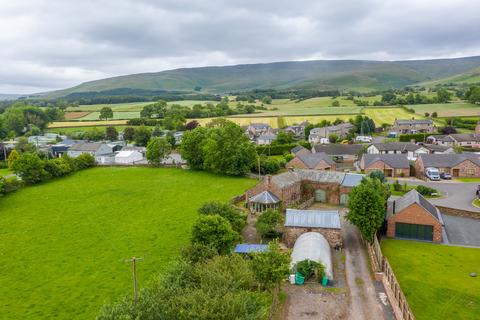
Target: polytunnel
313 246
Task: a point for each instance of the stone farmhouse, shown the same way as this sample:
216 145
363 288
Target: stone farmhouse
412 150
315 161
255 130
265 138
392 165
414 126
340 130
340 152
298 185
459 165
414 217
325 222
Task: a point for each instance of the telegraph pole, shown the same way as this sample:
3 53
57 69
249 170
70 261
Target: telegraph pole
134 268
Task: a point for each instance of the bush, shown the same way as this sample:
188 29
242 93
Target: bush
3 185
308 267
267 224
198 253
13 185
276 150
84 161
59 166
288 157
236 217
30 168
425 191
267 166
397 186
216 232
377 174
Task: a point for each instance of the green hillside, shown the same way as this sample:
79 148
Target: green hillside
322 74
469 77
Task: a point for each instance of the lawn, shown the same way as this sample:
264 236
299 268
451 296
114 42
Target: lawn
435 278
448 109
64 243
5 172
468 179
130 106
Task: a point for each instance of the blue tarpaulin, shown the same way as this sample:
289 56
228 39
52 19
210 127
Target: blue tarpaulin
248 248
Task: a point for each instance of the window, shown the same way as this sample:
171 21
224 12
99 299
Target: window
470 172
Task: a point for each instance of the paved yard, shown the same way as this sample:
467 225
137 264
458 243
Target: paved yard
462 231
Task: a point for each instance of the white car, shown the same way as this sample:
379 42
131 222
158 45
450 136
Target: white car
367 139
432 174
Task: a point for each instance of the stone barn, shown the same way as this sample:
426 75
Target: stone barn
325 222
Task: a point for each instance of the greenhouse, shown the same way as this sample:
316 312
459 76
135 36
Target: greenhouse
313 246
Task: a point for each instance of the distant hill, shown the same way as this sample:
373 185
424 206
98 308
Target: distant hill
466 78
360 75
7 96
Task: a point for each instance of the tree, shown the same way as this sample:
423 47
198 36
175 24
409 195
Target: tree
268 223
216 232
377 174
191 148
473 94
443 95
447 130
434 114
333 138
191 125
105 113
283 138
236 217
157 150
427 114
111 133
267 100
129 134
367 204
30 168
142 136
335 103
12 157
24 146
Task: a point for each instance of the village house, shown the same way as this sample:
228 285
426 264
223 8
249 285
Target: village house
414 217
340 152
459 165
341 130
101 151
298 131
325 222
265 139
299 150
413 126
438 149
469 140
315 161
392 165
412 150
254 130
299 185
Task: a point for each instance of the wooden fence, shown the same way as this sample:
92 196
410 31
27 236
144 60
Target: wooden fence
399 302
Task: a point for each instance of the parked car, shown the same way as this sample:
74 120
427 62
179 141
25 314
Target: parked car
363 139
446 176
432 174
324 141
392 134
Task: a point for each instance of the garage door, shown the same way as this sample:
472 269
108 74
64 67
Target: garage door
413 231
320 195
344 199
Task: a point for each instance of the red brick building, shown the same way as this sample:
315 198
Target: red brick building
459 165
414 217
314 161
392 165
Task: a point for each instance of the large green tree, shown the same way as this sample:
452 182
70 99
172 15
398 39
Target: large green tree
235 216
142 136
106 113
157 150
366 206
191 148
216 232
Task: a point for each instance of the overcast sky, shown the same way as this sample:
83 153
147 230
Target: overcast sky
52 44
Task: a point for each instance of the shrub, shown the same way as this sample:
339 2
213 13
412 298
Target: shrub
198 253
267 166
425 191
288 157
307 268
216 232
236 217
13 185
84 161
3 184
397 186
377 174
30 168
267 224
276 150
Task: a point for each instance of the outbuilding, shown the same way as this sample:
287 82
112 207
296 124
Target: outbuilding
128 157
313 246
263 201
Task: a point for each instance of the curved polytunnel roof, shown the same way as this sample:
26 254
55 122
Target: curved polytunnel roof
313 246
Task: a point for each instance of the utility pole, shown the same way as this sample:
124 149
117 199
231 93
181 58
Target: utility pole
134 268
258 157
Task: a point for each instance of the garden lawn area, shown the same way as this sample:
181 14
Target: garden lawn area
468 179
435 278
4 172
64 242
458 109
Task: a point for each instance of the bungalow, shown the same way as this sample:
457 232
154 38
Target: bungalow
413 126
97 149
414 217
438 149
412 150
298 185
325 222
392 165
457 164
471 140
315 161
299 150
343 152
340 130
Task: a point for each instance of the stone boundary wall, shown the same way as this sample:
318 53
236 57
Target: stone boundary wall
459 212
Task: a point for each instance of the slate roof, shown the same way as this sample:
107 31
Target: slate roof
311 160
259 126
397 146
338 149
413 121
410 198
448 160
249 248
297 175
313 218
298 149
267 136
86 146
436 147
458 137
398 161
265 197
352 179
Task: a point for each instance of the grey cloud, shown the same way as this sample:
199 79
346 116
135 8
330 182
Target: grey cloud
55 44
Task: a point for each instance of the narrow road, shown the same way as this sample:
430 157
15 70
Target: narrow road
364 303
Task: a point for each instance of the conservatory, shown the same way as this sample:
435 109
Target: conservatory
263 201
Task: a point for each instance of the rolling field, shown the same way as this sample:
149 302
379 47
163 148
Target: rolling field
67 240
448 109
116 115
131 106
388 115
81 129
435 278
71 124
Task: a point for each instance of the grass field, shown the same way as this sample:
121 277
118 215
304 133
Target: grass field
64 243
388 115
131 106
70 124
116 115
81 129
448 109
4 172
435 278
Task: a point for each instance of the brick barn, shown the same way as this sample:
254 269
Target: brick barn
414 217
325 222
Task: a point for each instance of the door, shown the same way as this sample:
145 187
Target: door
388 172
455 172
343 199
414 231
320 195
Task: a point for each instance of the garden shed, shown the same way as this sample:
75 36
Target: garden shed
313 246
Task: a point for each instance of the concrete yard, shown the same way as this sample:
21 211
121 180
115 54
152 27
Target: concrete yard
462 231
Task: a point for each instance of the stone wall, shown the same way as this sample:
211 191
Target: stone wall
333 236
459 212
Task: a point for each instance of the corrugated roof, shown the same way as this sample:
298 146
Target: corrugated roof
86 146
352 179
448 160
249 248
412 197
399 161
265 197
298 175
313 219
